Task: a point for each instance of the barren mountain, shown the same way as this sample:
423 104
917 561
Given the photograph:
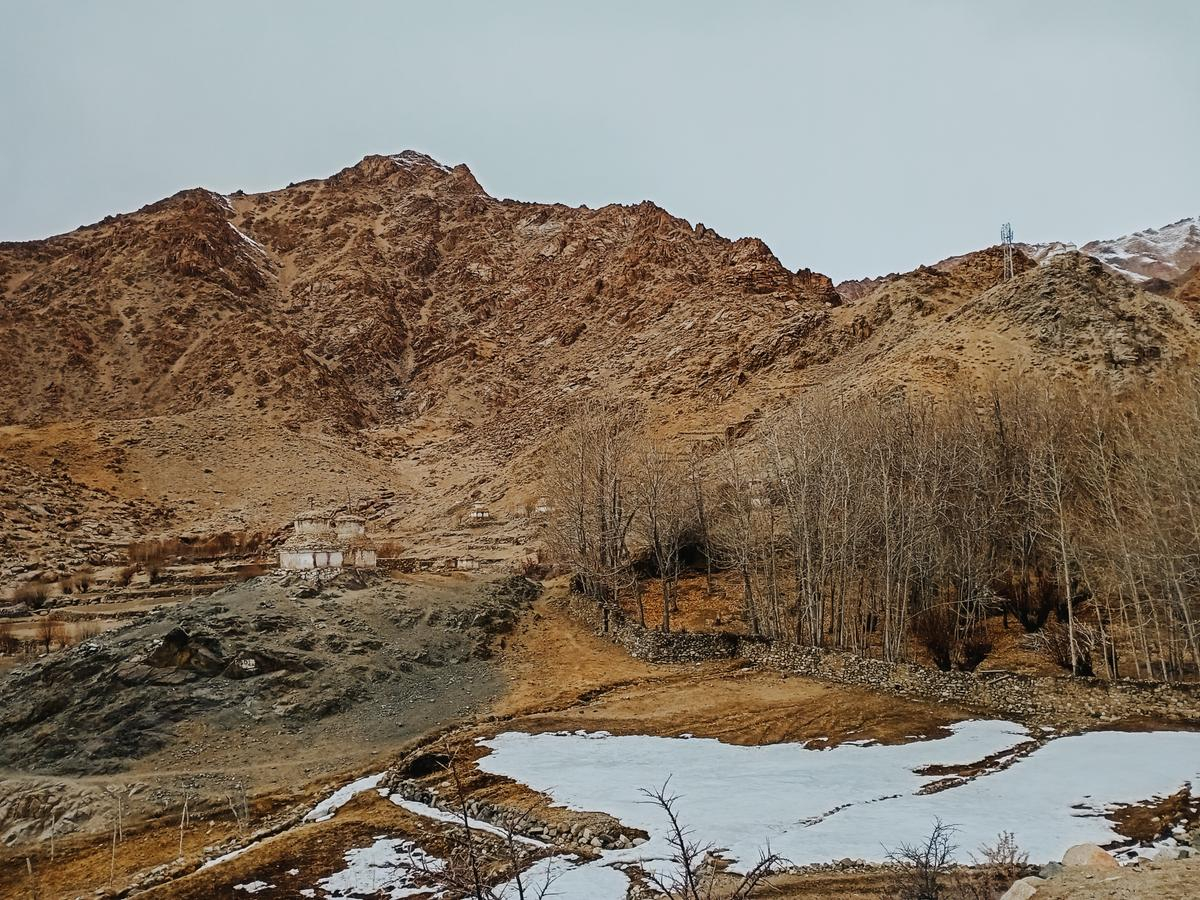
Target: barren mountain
394 331
375 295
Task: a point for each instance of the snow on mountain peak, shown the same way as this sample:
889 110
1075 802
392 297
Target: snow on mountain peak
1165 252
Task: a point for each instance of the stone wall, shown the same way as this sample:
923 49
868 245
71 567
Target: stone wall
612 836
1028 698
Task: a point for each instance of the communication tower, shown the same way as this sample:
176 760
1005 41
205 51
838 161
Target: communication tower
1006 241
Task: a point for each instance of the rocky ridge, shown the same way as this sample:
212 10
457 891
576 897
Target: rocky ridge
395 328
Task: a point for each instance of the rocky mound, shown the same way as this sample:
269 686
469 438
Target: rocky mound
275 652
1073 307
54 524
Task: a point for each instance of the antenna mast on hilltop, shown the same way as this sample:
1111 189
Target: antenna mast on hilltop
1007 243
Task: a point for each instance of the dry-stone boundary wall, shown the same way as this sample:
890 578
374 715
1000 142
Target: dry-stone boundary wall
1046 699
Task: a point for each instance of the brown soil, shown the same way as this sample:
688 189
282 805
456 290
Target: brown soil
1155 819
598 686
304 855
550 661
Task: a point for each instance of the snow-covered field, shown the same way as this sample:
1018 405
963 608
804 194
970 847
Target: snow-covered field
853 800
809 804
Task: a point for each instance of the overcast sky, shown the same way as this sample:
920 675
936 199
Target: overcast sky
855 138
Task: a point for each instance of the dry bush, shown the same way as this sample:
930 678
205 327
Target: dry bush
1054 641
695 876
974 647
921 869
389 549
533 568
948 645
85 631
252 570
125 575
84 579
33 594
223 545
992 871
934 628
1030 596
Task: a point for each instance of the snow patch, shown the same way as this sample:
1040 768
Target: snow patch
343 795
232 854
432 812
253 887
255 245
568 877
855 800
390 867
411 159
1174 247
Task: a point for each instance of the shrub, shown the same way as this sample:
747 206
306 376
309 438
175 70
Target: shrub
973 648
83 631
1054 641
991 872
934 628
125 575
533 568
921 869
51 629
33 594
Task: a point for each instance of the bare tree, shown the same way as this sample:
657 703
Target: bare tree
661 514
887 524
922 867
693 875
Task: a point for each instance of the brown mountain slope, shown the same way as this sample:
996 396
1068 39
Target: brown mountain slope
428 331
1187 289
395 331
371 296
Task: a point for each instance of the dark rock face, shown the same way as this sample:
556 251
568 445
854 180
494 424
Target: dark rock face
256 653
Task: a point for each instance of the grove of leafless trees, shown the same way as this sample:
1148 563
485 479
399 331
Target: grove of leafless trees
883 524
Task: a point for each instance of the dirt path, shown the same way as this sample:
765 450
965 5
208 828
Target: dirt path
562 676
551 659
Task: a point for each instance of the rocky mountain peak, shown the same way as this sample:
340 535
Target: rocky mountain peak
408 169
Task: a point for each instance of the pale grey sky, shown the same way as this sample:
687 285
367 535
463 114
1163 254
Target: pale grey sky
855 138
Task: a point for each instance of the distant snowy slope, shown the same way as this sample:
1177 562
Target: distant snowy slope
1042 252
1165 252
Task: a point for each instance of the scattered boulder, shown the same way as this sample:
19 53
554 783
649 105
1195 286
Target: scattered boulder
1173 853
1023 888
178 650
1089 856
1050 869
